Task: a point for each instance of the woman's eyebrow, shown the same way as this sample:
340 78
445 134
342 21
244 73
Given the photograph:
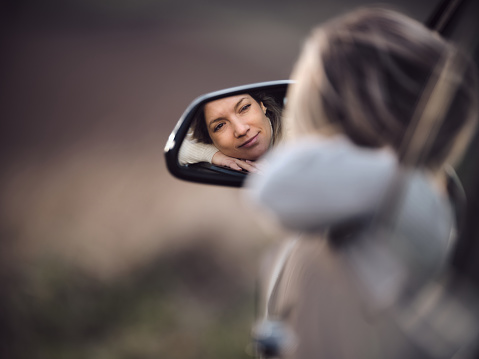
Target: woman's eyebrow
239 102
215 120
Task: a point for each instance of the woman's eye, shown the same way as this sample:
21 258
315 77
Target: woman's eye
218 127
245 108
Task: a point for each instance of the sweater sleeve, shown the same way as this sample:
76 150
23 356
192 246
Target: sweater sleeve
314 185
192 151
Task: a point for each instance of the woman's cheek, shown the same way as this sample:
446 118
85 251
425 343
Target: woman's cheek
222 143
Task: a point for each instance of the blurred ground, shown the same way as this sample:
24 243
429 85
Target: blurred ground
103 253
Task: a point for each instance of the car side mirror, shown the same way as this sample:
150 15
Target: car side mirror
205 172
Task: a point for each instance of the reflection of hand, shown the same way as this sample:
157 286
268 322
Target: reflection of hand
220 159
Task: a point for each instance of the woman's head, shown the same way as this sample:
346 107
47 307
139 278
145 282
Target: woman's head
241 126
364 74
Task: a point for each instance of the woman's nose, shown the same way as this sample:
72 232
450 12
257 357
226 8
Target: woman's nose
240 128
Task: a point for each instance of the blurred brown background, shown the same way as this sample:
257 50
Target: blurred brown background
103 253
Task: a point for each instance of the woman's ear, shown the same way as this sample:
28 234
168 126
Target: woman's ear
263 107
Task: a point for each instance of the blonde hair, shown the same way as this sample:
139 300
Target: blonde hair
364 74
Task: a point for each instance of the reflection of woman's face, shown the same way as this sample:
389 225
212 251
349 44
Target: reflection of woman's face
238 126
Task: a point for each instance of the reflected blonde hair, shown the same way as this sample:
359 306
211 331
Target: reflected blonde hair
364 74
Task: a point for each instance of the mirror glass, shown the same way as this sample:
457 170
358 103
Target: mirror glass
222 134
233 131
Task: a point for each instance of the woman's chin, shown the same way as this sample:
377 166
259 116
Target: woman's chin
254 156
250 155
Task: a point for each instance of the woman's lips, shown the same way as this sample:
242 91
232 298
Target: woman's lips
251 142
